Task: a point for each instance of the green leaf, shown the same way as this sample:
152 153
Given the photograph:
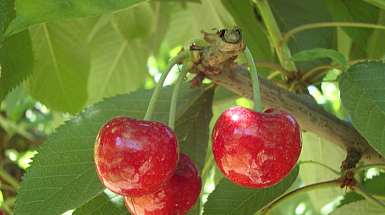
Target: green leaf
118 66
326 153
61 65
306 12
39 11
312 54
230 198
187 22
16 60
134 22
378 3
256 40
64 170
374 186
106 202
358 208
3 12
376 43
363 96
354 11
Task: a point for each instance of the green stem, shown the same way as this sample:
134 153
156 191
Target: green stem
7 204
317 186
274 66
254 78
283 51
309 73
9 178
321 164
328 24
151 106
186 67
366 167
360 190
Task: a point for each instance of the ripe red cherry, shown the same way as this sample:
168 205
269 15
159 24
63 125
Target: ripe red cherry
255 149
135 157
177 197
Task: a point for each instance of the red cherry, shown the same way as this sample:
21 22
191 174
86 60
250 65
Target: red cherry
177 197
255 149
135 157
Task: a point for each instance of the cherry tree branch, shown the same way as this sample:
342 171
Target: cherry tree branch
311 116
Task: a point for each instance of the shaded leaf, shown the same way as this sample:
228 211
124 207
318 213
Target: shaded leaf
230 198
105 202
294 13
376 43
117 65
358 208
62 66
378 3
256 40
16 60
16 57
64 172
363 96
354 11
312 54
39 11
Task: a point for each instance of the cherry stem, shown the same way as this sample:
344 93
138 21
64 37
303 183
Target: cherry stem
254 79
316 186
360 190
187 65
151 106
321 164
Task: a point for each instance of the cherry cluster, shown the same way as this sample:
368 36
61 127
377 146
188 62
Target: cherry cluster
140 160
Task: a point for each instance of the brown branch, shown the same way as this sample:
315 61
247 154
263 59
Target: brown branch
310 116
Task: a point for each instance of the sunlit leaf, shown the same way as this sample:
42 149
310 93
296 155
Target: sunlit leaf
363 96
358 208
62 64
118 66
39 11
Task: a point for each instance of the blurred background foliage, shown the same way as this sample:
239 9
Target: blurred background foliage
78 62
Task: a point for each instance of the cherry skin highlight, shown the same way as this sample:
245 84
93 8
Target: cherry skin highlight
177 197
135 157
253 149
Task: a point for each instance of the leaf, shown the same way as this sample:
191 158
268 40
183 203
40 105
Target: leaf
354 11
312 54
326 153
106 202
63 175
376 44
378 3
187 22
358 208
39 11
230 198
3 12
62 66
253 35
16 57
306 12
134 22
16 60
117 65
374 186
363 96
